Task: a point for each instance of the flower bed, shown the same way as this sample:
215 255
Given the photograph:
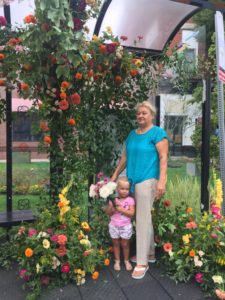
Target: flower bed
193 244
57 249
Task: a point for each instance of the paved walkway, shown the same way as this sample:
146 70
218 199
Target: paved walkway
111 285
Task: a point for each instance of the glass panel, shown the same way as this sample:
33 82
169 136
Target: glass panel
153 20
19 10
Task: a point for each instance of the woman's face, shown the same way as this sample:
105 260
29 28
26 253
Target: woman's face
144 116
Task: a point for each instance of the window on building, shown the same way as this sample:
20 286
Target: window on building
24 125
174 127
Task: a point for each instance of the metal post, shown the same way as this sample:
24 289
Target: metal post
157 105
8 133
220 49
205 155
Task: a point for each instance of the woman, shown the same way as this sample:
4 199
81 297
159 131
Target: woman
145 158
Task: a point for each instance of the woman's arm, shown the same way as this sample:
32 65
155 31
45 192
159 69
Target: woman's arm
121 166
162 148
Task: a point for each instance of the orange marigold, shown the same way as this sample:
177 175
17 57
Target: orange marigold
71 122
192 253
101 251
65 84
2 56
106 262
44 126
28 252
95 275
78 76
47 139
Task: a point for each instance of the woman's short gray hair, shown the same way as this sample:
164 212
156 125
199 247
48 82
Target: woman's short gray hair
148 105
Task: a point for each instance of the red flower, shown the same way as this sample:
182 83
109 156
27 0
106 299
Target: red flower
29 19
24 86
3 21
111 48
167 203
167 247
75 99
61 251
65 268
71 122
63 105
78 24
65 84
124 37
44 280
2 56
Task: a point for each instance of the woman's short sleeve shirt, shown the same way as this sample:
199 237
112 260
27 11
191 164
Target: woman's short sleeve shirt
142 155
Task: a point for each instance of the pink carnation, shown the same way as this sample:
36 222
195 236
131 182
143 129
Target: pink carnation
54 238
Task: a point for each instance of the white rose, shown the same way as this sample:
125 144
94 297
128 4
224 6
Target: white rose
92 192
217 279
111 186
201 253
104 192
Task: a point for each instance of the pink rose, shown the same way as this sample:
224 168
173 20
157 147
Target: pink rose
199 277
44 280
22 274
31 232
54 238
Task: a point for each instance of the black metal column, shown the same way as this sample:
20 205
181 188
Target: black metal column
205 158
8 133
157 106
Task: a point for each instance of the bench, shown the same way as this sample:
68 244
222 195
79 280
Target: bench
16 217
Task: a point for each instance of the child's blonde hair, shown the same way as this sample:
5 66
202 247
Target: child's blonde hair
122 179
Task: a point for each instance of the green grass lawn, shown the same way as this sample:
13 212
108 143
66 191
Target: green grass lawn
37 173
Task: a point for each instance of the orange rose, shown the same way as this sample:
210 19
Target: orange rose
78 76
2 82
118 79
2 56
24 86
47 139
28 252
107 262
133 72
95 275
62 95
192 253
44 126
65 84
71 122
63 105
189 210
75 99
102 49
29 19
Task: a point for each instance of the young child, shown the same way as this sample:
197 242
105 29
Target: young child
120 226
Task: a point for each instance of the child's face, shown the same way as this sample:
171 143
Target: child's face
123 189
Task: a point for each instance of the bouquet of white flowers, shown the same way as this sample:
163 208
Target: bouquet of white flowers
104 189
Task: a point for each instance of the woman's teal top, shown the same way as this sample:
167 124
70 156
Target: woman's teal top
142 155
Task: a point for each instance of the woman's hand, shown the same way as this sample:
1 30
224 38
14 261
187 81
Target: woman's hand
160 189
